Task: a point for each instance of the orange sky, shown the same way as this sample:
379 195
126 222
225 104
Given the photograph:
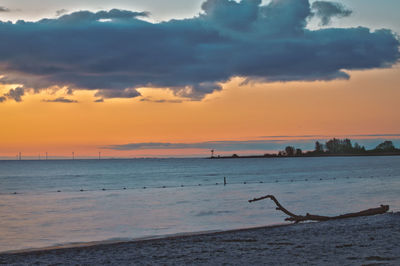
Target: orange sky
367 104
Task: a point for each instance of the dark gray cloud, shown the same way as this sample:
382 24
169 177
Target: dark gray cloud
15 94
70 91
218 145
326 10
248 145
2 99
61 100
99 100
160 100
330 136
376 135
115 52
61 12
4 9
109 93
294 136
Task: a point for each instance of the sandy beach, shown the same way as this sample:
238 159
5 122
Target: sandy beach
373 240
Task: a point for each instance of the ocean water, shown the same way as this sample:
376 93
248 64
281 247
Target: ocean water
53 203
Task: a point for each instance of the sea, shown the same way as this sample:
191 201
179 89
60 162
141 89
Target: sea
58 203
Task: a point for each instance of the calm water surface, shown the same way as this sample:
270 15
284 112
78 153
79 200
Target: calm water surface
127 199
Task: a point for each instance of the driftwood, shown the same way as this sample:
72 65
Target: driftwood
310 217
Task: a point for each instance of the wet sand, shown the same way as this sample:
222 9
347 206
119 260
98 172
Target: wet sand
373 240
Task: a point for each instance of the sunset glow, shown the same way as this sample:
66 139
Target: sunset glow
56 120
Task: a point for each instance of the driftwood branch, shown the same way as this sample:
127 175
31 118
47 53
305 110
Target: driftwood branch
310 217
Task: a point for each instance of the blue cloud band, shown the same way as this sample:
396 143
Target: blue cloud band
370 141
115 52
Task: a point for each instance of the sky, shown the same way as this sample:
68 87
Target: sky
178 78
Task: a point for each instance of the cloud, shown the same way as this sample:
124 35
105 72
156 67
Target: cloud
99 100
376 135
160 100
61 100
115 52
218 145
247 145
395 135
61 12
2 99
109 93
91 17
4 9
327 10
15 94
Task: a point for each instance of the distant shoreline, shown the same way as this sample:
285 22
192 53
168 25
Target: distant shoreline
332 148
269 156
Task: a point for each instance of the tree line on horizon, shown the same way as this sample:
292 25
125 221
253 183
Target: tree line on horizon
339 146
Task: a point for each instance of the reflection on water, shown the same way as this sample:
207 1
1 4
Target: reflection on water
39 216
